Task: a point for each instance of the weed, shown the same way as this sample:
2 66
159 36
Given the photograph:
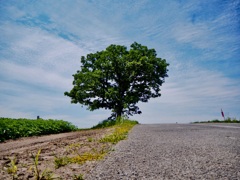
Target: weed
59 162
46 174
120 132
87 156
78 177
90 139
72 148
12 169
75 145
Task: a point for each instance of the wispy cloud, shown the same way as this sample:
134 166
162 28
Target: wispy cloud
199 93
41 44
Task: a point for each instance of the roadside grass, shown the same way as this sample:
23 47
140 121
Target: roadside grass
121 129
80 158
104 124
227 120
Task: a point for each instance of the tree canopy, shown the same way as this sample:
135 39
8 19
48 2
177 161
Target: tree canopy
117 79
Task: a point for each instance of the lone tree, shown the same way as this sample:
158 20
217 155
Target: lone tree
117 79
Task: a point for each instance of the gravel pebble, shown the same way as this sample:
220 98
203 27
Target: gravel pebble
174 151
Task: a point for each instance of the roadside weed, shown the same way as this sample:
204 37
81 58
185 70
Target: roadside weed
78 177
120 133
87 156
12 169
73 148
61 161
90 139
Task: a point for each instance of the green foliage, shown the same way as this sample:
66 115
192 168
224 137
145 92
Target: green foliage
111 122
87 156
227 120
61 161
16 128
121 131
231 120
80 158
117 79
121 127
90 139
105 123
78 177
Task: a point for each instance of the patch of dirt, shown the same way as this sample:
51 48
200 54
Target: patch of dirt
52 147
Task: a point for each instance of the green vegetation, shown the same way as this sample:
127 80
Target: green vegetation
121 131
227 120
38 174
111 122
12 168
46 174
78 177
16 128
104 124
92 149
99 148
78 158
61 161
117 79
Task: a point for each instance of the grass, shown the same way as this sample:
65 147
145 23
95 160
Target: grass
61 161
91 155
104 124
227 120
121 131
16 128
87 156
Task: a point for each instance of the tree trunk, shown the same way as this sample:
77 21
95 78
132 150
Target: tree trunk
119 113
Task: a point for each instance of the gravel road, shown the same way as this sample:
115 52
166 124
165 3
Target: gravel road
174 151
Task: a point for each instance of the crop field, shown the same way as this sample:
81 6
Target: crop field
16 128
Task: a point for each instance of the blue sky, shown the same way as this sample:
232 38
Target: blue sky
41 44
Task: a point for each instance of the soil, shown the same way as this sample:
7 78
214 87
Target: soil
52 146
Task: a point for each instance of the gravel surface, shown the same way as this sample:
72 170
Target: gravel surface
174 151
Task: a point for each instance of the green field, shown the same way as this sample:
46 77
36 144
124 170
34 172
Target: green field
16 128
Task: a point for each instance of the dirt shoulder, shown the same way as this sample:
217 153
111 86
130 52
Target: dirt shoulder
52 147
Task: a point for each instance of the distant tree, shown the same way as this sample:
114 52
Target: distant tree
117 79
